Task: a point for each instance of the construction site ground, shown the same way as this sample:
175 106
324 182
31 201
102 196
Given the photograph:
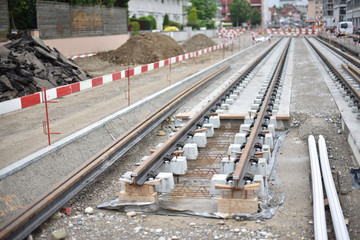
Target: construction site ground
22 134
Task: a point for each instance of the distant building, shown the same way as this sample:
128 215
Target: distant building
353 12
175 9
301 5
328 13
339 11
314 11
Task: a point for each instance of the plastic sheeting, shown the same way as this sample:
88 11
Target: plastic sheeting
268 205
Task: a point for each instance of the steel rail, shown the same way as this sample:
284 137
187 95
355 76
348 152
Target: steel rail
249 149
352 71
351 59
352 92
320 231
337 215
23 223
154 161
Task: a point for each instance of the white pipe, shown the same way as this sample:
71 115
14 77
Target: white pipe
320 231
337 216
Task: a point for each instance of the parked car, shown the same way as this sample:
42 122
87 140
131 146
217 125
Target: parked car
344 28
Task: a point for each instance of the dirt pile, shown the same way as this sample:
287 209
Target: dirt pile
197 42
27 65
144 48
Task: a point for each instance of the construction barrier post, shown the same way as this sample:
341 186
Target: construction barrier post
46 129
170 72
128 88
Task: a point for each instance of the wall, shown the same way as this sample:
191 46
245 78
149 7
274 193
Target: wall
62 20
185 35
4 19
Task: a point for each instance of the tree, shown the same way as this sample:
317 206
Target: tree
166 21
192 16
239 12
205 9
255 16
22 14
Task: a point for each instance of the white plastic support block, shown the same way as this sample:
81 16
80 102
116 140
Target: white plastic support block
233 148
127 176
259 179
200 139
177 165
257 101
190 151
224 106
240 138
229 101
220 111
233 96
210 129
248 120
237 92
273 121
215 121
271 129
266 151
166 182
255 106
227 165
217 179
244 128
262 167
269 140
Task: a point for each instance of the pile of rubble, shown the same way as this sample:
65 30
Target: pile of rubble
142 49
197 42
27 65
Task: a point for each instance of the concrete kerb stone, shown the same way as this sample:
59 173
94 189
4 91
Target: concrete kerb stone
26 161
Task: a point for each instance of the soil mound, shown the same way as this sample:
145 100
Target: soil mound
144 48
27 65
197 42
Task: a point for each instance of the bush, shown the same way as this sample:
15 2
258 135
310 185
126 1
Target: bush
166 21
175 24
144 22
135 27
153 21
194 24
171 29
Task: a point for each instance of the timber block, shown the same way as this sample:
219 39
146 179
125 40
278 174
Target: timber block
136 193
238 201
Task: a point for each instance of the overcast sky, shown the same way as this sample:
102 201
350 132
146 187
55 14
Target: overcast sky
272 2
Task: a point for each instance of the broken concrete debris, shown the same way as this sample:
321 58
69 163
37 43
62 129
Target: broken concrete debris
27 65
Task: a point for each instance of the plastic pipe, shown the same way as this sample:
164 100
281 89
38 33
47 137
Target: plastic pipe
337 216
320 231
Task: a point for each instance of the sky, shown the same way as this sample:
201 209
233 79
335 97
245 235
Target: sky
272 2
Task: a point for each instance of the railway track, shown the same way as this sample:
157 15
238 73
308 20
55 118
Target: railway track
344 70
23 223
245 158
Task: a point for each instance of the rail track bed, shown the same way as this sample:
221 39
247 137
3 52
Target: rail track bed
249 118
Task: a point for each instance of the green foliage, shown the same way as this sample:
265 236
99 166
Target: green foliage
239 12
22 14
145 23
107 3
255 16
192 16
166 21
153 22
205 9
135 27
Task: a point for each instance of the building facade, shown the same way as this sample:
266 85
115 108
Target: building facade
328 13
353 12
175 9
314 13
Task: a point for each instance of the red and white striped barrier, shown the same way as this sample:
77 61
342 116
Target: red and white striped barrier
36 98
229 33
292 31
82 56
